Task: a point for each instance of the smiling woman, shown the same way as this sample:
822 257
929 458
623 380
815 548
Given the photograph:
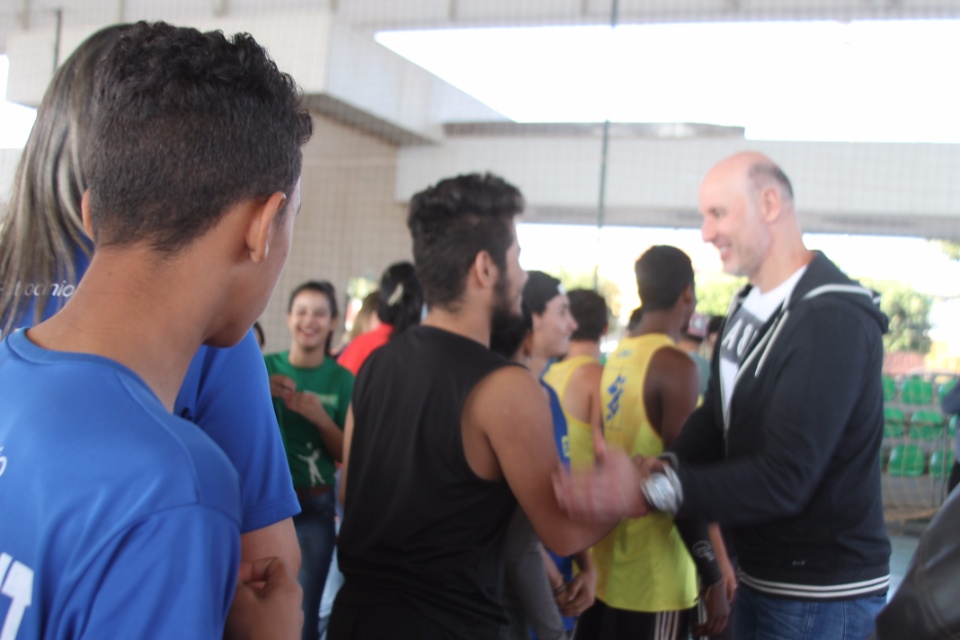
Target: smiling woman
311 393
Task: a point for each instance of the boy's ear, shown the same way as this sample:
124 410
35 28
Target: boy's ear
85 214
260 225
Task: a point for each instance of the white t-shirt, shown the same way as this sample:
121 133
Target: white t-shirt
742 329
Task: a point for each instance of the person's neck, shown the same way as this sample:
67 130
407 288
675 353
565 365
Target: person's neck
130 308
578 348
780 266
666 322
465 320
537 364
306 358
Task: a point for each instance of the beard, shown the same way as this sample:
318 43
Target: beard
508 328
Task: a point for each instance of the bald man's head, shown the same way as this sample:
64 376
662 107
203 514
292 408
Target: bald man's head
753 170
764 174
746 199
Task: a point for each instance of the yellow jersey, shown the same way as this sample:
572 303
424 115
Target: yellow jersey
643 564
579 442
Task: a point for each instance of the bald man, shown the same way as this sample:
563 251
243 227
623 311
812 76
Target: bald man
783 451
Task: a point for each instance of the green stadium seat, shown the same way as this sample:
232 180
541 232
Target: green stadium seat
894 422
916 390
926 425
906 460
889 388
952 426
941 462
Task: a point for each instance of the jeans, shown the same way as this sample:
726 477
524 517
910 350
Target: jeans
763 617
330 590
316 536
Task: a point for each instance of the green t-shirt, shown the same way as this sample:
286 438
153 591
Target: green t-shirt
310 463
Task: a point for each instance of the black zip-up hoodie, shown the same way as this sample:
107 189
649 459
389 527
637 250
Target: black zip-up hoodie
798 492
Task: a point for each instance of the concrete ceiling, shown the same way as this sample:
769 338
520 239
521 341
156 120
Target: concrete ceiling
874 196
375 15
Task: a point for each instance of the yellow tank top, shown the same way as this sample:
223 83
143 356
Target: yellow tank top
579 442
642 565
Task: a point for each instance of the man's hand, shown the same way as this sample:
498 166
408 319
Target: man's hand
580 593
723 561
281 386
266 604
718 611
649 465
309 406
610 491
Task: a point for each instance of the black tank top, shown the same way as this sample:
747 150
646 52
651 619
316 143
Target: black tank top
419 526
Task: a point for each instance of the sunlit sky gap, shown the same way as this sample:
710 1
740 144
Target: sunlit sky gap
882 81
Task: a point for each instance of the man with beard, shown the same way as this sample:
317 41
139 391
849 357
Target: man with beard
443 434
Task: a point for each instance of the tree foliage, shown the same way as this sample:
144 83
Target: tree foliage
950 248
714 292
909 313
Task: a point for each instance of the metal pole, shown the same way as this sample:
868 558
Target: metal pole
56 38
602 198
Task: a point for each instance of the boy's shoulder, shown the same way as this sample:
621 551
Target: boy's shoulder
90 426
119 505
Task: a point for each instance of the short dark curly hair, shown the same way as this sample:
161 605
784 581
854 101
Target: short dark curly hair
589 309
663 272
451 222
186 125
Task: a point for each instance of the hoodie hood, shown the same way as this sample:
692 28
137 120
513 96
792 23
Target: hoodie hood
822 278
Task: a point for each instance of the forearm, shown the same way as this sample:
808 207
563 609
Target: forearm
571 536
746 490
696 537
556 578
720 548
330 435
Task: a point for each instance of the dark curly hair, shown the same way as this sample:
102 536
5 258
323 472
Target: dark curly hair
451 222
589 309
663 272
187 125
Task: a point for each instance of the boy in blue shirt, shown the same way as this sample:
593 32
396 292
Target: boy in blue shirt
121 519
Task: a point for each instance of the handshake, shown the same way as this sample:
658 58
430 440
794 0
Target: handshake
618 486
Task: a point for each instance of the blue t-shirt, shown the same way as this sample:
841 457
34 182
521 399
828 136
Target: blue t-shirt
564 564
227 393
117 518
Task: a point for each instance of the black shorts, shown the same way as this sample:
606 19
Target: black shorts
601 622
